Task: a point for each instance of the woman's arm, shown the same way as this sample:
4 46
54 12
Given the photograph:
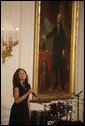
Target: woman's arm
17 97
29 109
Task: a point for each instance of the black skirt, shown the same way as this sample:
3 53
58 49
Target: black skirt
19 114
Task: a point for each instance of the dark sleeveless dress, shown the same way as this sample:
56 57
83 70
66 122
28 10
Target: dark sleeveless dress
19 112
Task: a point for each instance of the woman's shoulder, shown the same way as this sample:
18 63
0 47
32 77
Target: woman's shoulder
16 86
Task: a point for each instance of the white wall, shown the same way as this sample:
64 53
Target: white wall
79 85
10 13
21 14
27 37
17 14
11 63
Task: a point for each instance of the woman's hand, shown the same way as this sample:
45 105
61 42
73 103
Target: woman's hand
30 91
30 115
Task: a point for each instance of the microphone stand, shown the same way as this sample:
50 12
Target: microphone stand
78 95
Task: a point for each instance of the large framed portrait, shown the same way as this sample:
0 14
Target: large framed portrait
56 27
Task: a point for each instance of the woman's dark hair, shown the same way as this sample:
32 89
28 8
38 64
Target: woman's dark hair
16 81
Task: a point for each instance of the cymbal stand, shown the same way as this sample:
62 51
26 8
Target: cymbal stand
78 95
45 123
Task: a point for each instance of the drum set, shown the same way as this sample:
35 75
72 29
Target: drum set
55 111
52 113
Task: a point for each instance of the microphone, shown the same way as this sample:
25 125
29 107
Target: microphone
78 93
34 94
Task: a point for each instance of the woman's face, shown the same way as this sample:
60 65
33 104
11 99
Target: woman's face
22 75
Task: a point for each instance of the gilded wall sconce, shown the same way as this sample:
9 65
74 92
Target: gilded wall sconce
9 39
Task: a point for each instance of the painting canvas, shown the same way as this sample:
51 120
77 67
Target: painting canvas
54 31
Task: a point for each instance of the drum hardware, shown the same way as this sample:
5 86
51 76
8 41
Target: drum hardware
45 106
60 109
70 109
37 117
43 115
78 95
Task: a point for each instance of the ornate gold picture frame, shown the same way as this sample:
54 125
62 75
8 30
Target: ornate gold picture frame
44 79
